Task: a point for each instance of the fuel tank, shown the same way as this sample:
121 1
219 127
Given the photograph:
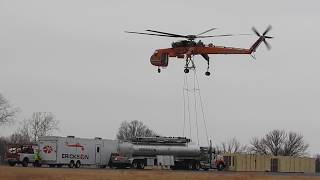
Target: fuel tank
186 150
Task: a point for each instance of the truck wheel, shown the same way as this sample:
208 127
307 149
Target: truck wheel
25 162
197 166
71 164
11 163
141 165
135 165
220 166
78 164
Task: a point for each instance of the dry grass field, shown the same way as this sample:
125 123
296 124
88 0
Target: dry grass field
20 173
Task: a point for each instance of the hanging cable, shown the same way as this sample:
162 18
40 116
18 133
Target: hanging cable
188 104
202 109
195 102
184 107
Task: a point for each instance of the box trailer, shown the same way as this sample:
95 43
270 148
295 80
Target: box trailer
74 152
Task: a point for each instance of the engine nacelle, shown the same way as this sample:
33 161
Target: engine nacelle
160 59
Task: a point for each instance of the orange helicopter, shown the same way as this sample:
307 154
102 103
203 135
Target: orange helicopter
189 48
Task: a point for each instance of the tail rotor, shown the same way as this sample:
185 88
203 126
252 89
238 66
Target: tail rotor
264 36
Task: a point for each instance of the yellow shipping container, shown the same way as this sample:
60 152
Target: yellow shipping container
250 162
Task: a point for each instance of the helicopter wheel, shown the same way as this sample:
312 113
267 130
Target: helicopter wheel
159 70
186 70
207 73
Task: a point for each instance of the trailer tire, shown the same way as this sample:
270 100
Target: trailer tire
25 162
134 165
189 165
141 165
71 164
197 166
78 164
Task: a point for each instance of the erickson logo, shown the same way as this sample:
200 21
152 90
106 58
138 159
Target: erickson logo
47 149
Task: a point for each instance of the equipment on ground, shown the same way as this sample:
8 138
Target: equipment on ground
75 152
189 48
173 152
20 154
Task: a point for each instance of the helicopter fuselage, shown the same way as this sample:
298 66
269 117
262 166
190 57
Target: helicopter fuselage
186 49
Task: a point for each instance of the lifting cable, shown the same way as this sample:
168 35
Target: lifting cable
186 90
195 102
202 109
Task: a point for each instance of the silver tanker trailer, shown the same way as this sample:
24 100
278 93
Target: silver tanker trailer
173 152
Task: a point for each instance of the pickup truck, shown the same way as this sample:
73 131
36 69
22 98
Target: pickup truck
20 154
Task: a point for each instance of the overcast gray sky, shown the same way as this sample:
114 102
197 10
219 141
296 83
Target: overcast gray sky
72 58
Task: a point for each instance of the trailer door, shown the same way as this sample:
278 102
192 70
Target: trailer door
98 154
48 150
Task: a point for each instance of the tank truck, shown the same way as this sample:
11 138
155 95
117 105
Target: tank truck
171 152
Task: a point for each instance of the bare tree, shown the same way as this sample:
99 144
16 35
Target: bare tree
7 113
132 129
17 138
258 147
232 146
295 145
22 135
40 124
280 143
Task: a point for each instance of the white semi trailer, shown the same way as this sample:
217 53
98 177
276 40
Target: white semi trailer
74 152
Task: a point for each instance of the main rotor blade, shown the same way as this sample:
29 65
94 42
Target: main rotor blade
150 34
267 44
223 35
267 30
170 34
255 31
206 31
268 37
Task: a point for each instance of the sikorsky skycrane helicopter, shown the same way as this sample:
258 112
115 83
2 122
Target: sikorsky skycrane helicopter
189 48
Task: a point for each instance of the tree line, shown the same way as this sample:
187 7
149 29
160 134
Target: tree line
276 142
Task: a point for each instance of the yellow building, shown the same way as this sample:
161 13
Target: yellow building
250 162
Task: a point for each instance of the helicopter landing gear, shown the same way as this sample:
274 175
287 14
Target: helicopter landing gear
159 70
207 73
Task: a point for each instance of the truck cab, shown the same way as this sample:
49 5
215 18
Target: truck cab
217 162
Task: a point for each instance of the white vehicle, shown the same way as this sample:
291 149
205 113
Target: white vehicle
74 152
20 154
173 152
